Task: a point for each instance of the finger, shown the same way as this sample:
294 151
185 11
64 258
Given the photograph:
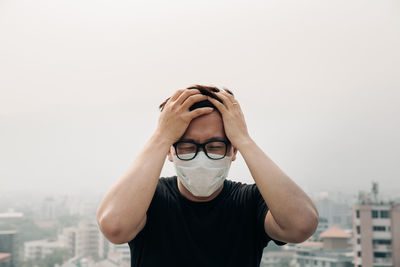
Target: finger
221 107
229 96
225 99
193 99
228 91
200 111
186 94
176 94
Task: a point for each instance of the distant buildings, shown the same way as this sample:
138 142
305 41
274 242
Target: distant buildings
48 211
376 225
334 251
39 249
334 213
10 215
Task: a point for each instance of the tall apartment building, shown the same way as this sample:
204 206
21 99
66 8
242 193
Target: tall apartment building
376 227
9 244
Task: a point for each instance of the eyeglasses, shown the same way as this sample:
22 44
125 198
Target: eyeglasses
214 149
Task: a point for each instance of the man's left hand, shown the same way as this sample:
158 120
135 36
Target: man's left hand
233 119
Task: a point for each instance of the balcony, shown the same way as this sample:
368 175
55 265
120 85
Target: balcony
383 248
383 261
381 235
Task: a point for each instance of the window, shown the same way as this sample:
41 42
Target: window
359 253
358 213
374 214
381 242
379 228
385 214
380 255
358 229
358 241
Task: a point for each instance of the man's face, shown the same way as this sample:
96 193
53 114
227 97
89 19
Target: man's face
203 128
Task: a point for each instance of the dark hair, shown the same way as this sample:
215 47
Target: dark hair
205 90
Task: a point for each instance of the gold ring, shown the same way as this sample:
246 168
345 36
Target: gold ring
234 103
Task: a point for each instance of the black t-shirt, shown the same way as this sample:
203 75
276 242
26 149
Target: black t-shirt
226 231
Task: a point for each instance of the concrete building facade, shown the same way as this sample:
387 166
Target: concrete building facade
376 229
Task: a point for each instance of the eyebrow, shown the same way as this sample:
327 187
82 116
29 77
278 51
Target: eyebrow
207 140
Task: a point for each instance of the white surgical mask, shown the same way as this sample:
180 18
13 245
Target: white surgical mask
202 176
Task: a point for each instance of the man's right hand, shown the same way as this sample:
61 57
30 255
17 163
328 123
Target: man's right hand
175 117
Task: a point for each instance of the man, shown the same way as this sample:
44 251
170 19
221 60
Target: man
199 218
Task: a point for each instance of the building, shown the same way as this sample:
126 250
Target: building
122 250
334 250
9 244
88 240
376 225
5 259
278 258
48 209
68 238
323 225
334 213
39 249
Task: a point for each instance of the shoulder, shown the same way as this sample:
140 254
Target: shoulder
242 190
240 187
167 186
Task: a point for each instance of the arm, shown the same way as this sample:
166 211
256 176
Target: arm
292 217
122 212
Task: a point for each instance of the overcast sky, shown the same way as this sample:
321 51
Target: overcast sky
80 83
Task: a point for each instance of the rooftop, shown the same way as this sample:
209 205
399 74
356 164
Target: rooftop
5 257
334 232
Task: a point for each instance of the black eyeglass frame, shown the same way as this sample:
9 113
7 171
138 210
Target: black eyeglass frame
203 145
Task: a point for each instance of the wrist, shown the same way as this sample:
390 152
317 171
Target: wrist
243 143
161 140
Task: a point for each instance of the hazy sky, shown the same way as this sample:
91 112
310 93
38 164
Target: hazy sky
80 82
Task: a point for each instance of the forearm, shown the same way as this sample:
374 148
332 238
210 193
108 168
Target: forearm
288 203
126 203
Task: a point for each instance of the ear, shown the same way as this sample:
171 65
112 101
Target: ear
170 151
234 153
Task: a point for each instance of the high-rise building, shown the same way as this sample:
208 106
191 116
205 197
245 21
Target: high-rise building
376 226
9 244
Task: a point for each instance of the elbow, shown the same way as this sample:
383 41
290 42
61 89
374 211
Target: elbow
117 231
306 228
111 230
